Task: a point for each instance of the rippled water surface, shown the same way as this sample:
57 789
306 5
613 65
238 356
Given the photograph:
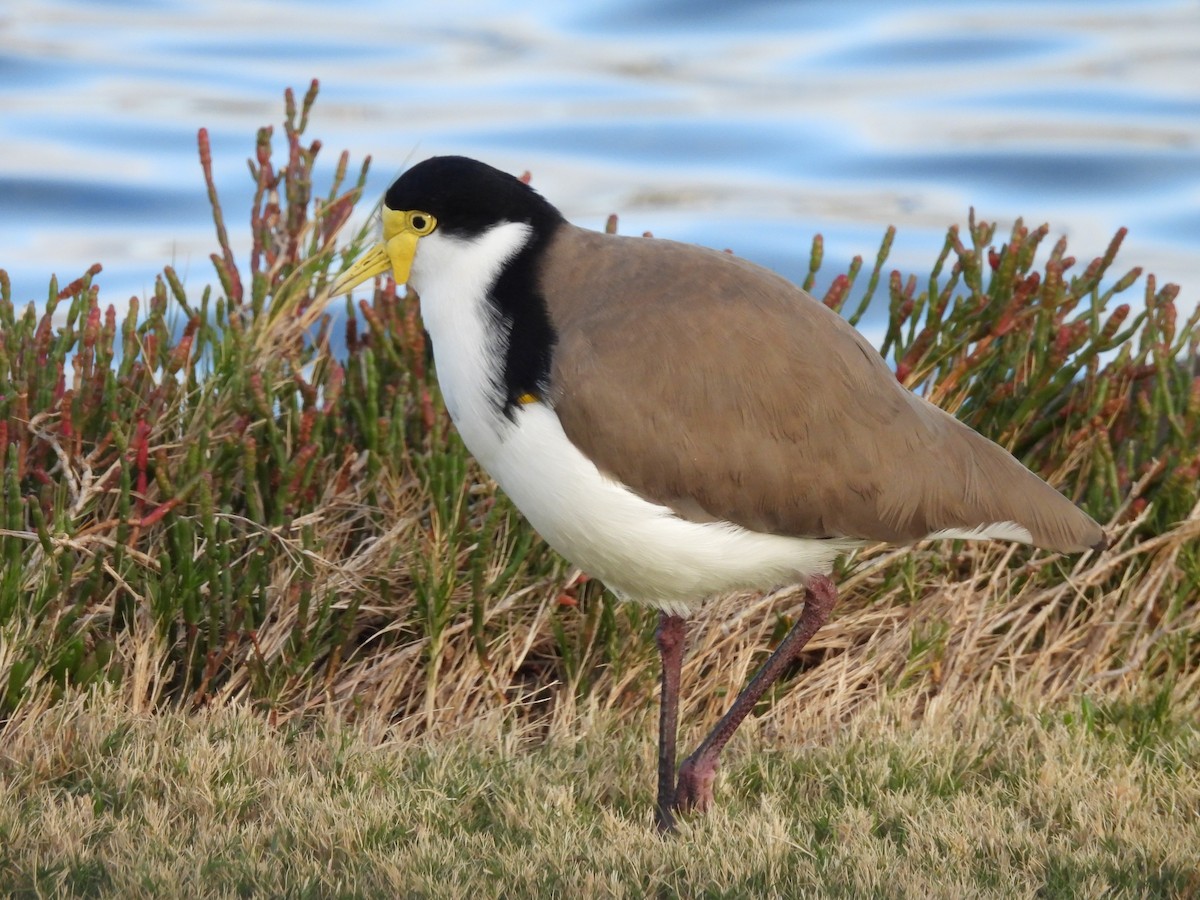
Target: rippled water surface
742 125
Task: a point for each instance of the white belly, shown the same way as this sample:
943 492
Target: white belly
640 550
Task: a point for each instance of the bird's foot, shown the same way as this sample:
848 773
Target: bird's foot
694 789
664 820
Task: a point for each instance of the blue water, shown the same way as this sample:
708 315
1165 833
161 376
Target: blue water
742 125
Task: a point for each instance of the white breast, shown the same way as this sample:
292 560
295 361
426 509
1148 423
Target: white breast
639 549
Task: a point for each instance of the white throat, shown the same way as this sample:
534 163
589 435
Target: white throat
454 277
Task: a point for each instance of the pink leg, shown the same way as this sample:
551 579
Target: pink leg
699 771
672 630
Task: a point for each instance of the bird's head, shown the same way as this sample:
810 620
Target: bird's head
445 197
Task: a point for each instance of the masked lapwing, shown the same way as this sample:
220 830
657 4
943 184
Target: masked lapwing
679 422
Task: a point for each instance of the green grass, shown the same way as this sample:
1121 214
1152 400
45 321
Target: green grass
238 538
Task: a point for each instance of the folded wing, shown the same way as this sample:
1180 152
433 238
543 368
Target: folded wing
712 386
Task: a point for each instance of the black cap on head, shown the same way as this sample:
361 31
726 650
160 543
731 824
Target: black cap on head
468 197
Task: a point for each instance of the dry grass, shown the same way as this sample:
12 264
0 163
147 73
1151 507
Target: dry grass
982 801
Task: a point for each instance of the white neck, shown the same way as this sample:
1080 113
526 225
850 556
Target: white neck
454 278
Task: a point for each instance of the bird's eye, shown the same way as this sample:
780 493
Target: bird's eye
420 222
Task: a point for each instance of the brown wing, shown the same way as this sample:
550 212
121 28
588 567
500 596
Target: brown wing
715 387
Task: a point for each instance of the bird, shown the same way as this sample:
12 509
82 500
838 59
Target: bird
680 423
